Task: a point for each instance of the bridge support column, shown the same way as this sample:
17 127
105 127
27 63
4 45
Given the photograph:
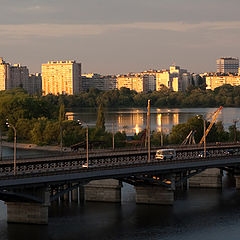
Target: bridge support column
29 212
107 190
154 195
237 178
210 178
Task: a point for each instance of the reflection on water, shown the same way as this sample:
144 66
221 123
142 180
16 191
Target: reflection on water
134 120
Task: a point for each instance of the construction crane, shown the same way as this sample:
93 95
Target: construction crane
211 124
190 138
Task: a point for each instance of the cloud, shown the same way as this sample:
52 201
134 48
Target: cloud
25 31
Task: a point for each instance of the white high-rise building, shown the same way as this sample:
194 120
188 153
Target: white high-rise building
227 65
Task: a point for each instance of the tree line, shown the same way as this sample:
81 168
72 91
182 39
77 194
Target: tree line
226 95
41 119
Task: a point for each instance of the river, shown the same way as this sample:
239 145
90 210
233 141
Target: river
198 214
134 120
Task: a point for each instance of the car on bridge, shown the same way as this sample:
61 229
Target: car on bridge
164 154
229 151
201 154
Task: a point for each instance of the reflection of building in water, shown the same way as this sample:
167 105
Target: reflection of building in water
165 120
131 123
69 116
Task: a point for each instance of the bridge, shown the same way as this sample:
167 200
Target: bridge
40 180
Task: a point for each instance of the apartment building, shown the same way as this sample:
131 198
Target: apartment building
227 65
138 83
13 76
94 80
61 77
213 82
175 78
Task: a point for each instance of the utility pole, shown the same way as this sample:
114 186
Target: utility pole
113 140
148 131
0 144
87 144
204 132
15 147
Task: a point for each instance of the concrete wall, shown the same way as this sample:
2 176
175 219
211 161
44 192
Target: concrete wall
18 212
108 190
154 195
210 178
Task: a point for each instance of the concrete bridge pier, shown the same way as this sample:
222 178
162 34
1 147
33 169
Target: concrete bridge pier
210 178
33 210
237 178
150 194
107 190
78 194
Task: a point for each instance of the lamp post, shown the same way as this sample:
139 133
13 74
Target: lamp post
148 131
15 146
86 164
113 140
204 136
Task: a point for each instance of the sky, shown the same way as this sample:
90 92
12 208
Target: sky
120 36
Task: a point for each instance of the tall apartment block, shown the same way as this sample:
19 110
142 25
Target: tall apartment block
61 77
227 65
13 76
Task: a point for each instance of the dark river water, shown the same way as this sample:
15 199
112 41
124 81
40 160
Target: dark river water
196 214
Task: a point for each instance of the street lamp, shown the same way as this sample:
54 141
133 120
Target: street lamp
204 135
80 123
148 131
113 140
15 146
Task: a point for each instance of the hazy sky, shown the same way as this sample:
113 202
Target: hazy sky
117 36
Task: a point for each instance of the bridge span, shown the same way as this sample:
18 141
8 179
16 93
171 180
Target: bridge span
44 179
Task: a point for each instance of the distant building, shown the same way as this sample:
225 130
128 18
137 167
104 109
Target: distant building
13 76
61 77
34 83
175 78
164 78
138 83
94 80
213 82
227 65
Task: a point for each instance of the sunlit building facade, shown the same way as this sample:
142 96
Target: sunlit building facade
137 83
213 82
61 77
175 78
13 76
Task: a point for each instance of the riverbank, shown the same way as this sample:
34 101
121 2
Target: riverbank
28 146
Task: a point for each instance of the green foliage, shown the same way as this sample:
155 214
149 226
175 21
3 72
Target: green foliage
100 124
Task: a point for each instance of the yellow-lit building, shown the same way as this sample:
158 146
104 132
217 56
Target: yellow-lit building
13 76
61 77
163 78
213 82
133 82
4 75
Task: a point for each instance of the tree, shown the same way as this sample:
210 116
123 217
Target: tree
100 124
